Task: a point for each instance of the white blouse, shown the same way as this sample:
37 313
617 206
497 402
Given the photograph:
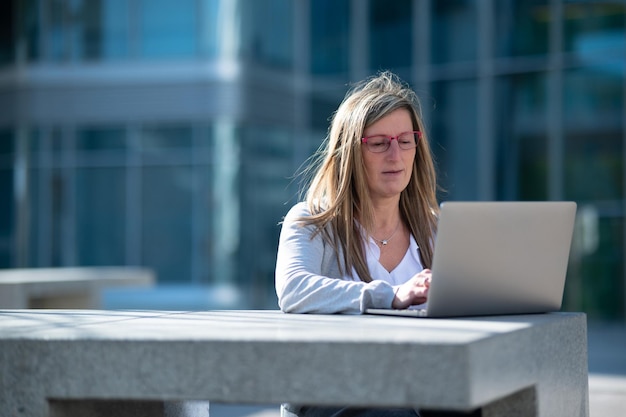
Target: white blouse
405 270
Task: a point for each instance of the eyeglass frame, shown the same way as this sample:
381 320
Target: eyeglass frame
390 138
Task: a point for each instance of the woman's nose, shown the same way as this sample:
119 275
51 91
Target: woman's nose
394 149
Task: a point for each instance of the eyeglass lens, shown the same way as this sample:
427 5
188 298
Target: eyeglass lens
381 143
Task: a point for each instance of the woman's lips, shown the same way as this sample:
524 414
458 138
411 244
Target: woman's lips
392 172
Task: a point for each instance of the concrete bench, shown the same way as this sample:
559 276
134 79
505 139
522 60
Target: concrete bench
88 363
77 287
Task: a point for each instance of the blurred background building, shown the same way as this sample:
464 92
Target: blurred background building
167 133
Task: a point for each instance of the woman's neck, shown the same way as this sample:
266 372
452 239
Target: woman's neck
386 215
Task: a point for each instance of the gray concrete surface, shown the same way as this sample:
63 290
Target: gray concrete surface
248 356
607 377
67 287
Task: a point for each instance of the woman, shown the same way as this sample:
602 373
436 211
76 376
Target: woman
363 237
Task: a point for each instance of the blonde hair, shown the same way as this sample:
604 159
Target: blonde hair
338 194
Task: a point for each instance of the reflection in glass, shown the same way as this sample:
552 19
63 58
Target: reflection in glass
322 108
6 147
166 223
101 216
593 111
594 281
168 29
57 32
7 219
225 203
454 31
35 226
105 31
265 169
7 32
521 131
165 140
521 27
455 144
99 139
330 29
86 29
390 37
591 28
593 121
26 28
267 32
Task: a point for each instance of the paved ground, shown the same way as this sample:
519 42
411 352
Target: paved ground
607 370
607 377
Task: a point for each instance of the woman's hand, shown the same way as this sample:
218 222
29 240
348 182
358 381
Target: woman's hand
414 291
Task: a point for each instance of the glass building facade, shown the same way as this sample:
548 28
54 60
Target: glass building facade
167 134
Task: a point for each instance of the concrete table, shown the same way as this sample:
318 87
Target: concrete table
50 361
71 287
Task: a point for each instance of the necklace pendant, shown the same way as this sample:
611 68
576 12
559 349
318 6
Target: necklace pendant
384 242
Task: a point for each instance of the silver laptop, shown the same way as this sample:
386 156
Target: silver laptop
494 258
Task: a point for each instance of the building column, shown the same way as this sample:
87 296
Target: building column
21 197
485 125
225 213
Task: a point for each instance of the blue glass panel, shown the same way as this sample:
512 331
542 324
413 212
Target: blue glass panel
454 138
35 235
7 143
7 202
85 29
98 139
330 30
166 222
266 170
594 29
57 32
521 123
165 141
522 27
454 31
7 32
101 216
6 218
27 26
593 110
267 32
390 36
593 113
168 29
109 29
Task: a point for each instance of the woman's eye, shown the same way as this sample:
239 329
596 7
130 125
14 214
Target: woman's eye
377 141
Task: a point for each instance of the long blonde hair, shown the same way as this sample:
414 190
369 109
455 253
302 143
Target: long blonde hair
337 191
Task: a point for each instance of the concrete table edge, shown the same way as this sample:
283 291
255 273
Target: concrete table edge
270 357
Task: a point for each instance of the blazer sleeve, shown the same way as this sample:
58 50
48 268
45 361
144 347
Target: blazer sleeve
307 275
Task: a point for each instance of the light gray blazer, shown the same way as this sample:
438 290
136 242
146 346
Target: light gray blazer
308 278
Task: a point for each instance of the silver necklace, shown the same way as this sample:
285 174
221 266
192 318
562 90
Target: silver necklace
385 241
